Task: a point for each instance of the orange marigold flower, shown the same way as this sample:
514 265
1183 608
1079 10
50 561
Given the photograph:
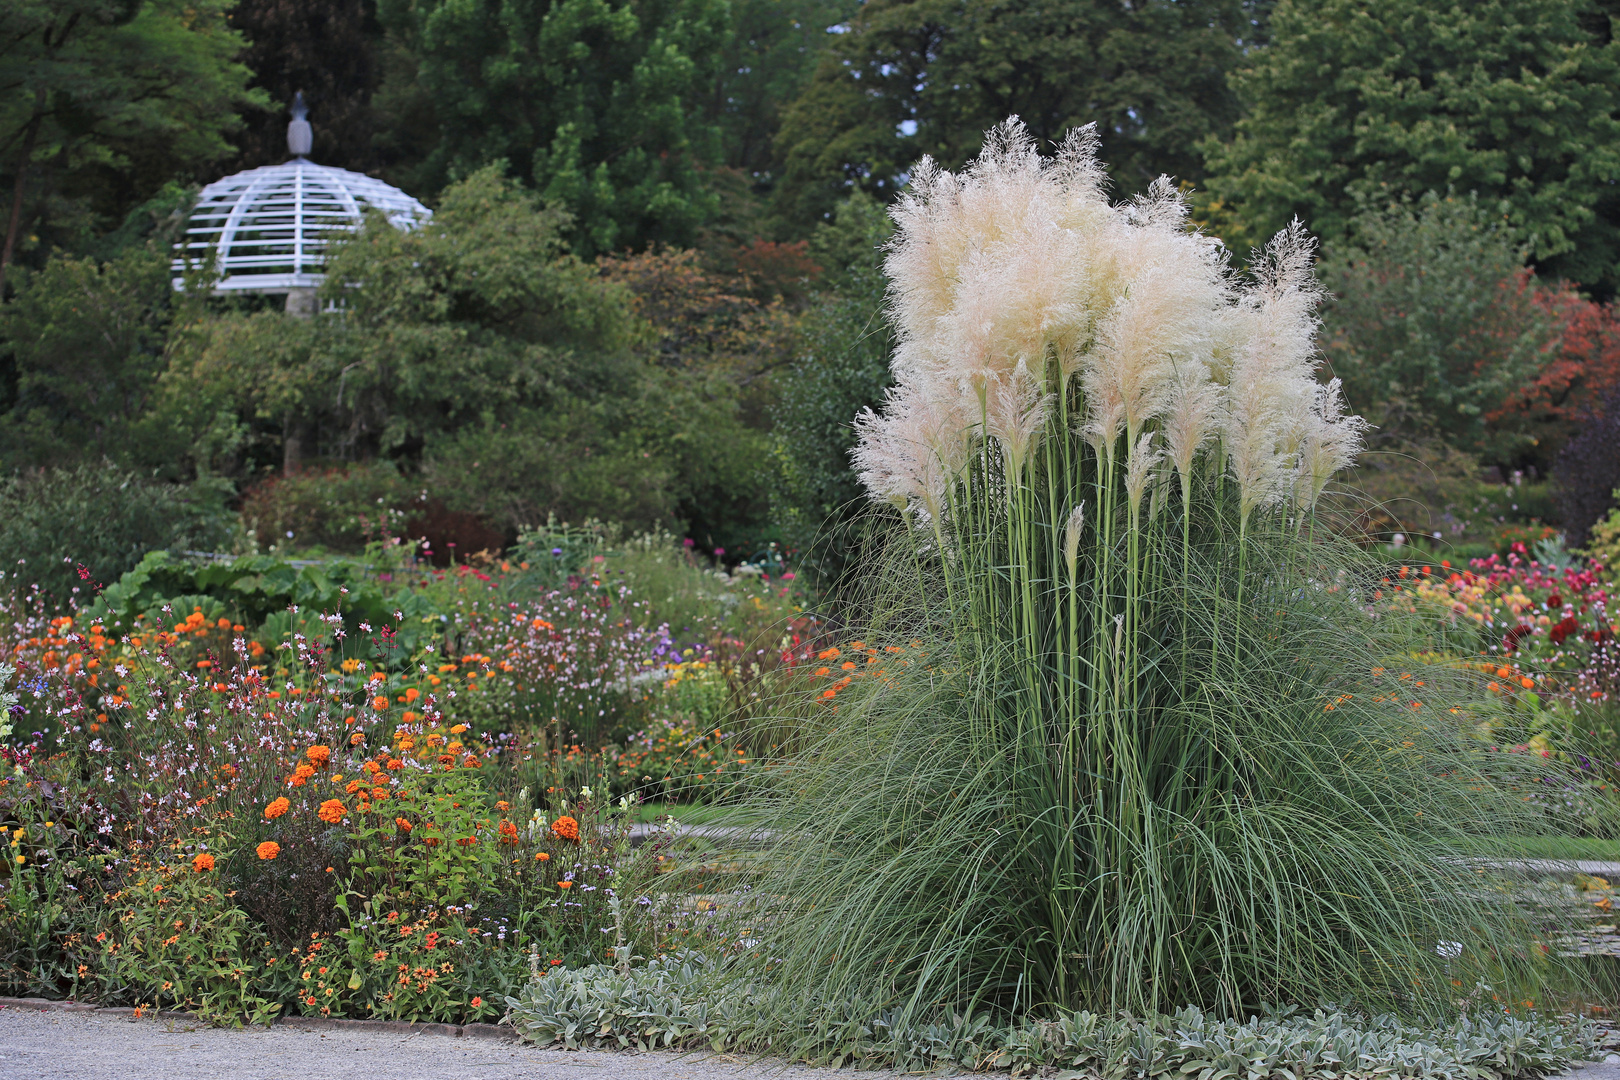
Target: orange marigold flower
357 738
331 811
379 703
319 755
404 826
412 694
304 770
565 884
566 827
466 841
268 850
447 759
202 862
395 764
541 856
353 786
276 808
502 805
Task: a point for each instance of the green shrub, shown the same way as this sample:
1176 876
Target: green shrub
337 509
101 519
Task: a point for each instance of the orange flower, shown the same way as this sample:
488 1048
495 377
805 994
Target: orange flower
276 808
404 826
304 771
319 755
356 739
477 1001
502 805
202 862
379 703
412 694
268 850
541 856
1527 682
331 811
395 764
566 827
565 884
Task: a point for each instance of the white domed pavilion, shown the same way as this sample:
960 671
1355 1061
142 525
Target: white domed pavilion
269 226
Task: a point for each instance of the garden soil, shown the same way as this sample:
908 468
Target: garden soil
70 1046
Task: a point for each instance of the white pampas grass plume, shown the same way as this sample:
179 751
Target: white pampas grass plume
1015 414
1015 276
1191 418
911 453
1071 538
1139 469
1332 442
1271 385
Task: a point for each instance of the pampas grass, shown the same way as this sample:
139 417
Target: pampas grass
1151 741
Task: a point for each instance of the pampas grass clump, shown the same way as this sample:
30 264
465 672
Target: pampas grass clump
1151 741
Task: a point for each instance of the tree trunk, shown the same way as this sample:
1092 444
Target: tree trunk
17 189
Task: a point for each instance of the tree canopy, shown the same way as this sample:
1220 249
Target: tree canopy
596 103
103 103
1367 100
913 77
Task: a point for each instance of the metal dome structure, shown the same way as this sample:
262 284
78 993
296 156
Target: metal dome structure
268 227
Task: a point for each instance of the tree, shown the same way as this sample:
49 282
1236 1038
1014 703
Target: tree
1437 324
333 51
598 104
914 77
842 367
772 53
1513 99
88 342
102 102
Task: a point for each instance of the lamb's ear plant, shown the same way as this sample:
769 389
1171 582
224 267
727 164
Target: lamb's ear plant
1152 739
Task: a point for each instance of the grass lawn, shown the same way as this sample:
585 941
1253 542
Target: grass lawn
1552 847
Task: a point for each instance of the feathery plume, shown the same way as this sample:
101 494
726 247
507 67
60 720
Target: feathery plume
1333 441
1191 419
1071 538
1015 416
1139 469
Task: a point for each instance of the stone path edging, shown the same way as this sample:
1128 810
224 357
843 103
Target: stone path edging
494 1032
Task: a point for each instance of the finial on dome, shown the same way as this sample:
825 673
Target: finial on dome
300 137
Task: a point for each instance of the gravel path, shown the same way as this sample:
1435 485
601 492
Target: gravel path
71 1046
58 1045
